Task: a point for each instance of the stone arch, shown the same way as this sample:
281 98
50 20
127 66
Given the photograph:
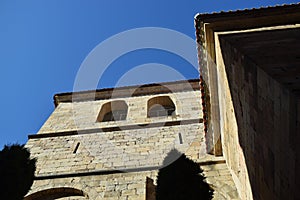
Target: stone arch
113 111
56 193
160 106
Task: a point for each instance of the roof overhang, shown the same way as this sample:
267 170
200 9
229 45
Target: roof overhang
270 37
127 91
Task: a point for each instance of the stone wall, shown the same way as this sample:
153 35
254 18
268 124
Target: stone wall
83 115
111 187
258 127
128 149
112 163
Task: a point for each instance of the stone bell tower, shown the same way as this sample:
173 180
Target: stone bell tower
110 143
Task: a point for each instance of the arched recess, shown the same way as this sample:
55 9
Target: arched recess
160 106
56 193
113 111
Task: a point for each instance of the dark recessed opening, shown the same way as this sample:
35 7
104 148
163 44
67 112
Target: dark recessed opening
76 148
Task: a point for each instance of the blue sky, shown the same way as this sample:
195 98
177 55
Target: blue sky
43 44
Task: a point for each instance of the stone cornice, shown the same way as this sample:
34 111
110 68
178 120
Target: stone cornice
128 91
116 128
251 18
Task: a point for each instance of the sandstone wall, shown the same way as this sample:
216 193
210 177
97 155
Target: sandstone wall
258 127
114 150
83 115
113 164
111 187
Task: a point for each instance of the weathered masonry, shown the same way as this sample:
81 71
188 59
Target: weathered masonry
109 143
250 82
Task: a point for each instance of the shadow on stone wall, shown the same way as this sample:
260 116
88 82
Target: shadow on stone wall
265 111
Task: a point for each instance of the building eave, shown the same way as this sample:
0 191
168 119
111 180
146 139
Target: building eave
127 91
246 13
